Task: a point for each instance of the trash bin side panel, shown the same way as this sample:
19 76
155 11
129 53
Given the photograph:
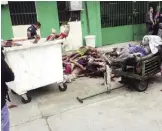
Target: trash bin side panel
35 67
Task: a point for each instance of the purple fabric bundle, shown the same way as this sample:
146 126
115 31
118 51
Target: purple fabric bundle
137 49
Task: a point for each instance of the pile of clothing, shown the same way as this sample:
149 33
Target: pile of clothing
89 61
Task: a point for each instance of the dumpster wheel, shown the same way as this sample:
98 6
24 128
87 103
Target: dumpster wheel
62 87
25 99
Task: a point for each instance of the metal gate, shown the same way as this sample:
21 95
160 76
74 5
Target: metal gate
123 20
22 12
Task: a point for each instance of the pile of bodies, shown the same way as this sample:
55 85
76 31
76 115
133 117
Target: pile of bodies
86 61
89 61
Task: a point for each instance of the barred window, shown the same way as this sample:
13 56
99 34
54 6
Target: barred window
140 9
22 13
64 14
119 13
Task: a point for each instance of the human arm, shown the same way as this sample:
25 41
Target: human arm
79 65
151 18
29 34
157 17
75 56
37 38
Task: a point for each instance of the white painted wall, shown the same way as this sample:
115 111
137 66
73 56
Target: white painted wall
4 2
72 42
20 31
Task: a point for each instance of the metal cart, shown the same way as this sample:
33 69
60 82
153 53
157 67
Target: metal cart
138 71
35 66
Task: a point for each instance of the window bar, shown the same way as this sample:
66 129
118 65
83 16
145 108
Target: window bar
119 13
140 13
104 15
107 15
124 13
121 8
110 14
115 15
22 4
127 13
16 18
138 18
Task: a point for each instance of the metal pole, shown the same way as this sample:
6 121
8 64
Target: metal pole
87 17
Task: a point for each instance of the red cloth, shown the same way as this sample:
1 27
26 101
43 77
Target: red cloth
8 43
68 69
63 35
57 36
49 37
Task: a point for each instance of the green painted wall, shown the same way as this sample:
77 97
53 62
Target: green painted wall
139 31
84 22
6 26
120 34
47 15
117 34
94 20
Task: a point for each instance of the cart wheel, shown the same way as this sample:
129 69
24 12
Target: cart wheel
13 92
62 87
141 85
25 99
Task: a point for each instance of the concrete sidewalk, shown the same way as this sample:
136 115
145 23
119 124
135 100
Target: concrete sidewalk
121 110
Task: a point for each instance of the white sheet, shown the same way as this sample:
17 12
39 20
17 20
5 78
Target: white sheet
154 41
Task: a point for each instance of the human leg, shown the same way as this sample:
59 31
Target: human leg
5 124
149 29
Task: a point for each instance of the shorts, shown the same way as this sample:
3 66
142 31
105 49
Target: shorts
56 36
62 34
5 123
